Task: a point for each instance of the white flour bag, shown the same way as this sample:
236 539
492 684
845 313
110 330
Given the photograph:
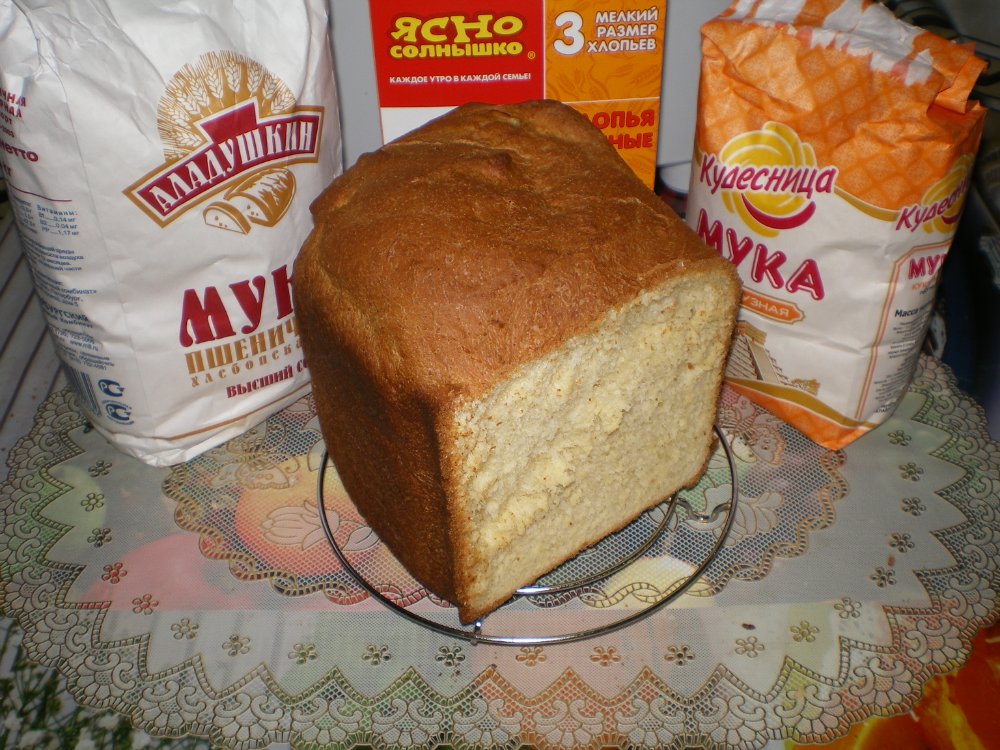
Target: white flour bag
161 158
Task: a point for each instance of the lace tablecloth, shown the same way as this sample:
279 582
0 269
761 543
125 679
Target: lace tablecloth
205 599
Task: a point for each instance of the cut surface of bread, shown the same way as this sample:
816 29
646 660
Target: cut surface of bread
576 444
516 348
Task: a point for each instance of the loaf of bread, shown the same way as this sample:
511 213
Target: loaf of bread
516 348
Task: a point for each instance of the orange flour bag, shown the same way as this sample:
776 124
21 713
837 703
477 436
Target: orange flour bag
834 146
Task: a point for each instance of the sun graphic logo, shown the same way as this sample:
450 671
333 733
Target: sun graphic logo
941 206
768 178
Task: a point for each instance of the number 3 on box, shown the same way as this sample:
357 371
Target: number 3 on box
572 42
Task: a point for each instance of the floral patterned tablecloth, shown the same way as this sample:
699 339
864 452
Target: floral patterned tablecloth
205 599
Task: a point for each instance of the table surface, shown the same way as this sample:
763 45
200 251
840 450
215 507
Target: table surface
204 600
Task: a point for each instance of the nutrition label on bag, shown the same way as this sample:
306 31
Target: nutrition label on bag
602 58
52 234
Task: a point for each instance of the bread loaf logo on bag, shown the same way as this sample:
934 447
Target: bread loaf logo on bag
229 129
768 178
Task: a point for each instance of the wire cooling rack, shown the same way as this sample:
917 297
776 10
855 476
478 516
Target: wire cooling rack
573 583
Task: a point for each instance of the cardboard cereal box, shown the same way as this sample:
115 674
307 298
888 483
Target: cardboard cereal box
834 147
602 58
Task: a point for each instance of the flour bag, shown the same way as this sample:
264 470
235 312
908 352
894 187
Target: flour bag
834 147
161 158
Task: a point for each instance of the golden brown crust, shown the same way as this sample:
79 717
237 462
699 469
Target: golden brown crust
444 261
512 227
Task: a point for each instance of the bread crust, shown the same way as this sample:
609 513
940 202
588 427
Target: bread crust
441 263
